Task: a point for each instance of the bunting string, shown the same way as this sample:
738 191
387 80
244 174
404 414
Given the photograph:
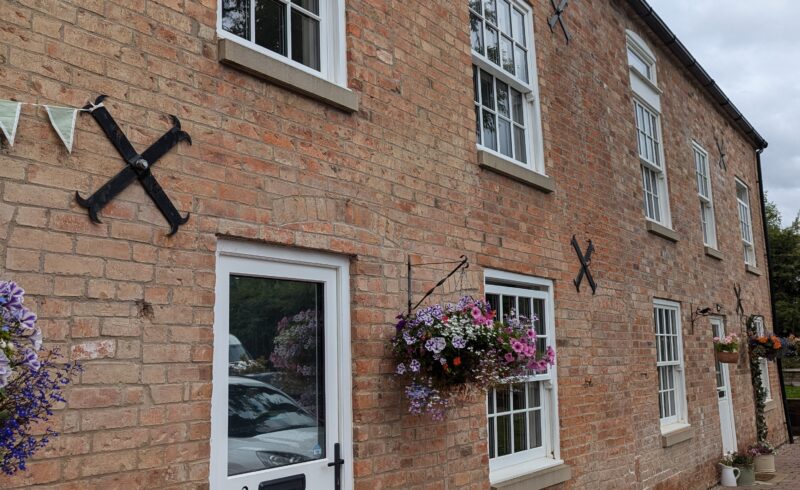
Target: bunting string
62 119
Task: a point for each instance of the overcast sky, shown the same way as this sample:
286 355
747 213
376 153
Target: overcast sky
751 48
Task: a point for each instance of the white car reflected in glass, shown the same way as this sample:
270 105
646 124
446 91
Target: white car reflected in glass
268 429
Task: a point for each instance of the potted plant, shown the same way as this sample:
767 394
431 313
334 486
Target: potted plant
727 348
763 457
729 473
440 350
744 462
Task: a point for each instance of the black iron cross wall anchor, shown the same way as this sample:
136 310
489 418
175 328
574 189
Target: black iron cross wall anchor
585 260
721 148
137 167
737 290
557 18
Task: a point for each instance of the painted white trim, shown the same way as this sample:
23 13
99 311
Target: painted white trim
246 258
524 462
642 51
332 45
663 183
750 258
718 329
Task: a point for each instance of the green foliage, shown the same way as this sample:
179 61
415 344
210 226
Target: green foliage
785 250
760 395
793 392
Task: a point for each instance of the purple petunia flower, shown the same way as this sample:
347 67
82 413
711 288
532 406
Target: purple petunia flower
414 366
26 318
12 295
408 338
436 344
401 368
459 342
31 360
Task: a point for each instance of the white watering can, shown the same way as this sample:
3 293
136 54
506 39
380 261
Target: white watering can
729 476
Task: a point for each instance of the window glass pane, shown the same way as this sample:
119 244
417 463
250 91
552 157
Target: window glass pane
310 5
476 33
535 428
502 99
271 25
518 26
524 305
503 435
492 452
504 133
520 432
503 398
487 90
236 17
494 301
538 310
490 401
509 306
478 125
507 54
305 40
534 397
490 10
504 16
276 405
519 144
492 50
521 60
518 392
516 106
489 130
476 6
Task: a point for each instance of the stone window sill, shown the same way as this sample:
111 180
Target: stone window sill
675 433
503 167
714 253
243 58
770 405
537 479
662 231
752 270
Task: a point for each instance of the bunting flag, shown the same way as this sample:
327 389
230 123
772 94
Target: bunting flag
63 121
9 118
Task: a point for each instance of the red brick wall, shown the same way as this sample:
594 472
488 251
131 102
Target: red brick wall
398 177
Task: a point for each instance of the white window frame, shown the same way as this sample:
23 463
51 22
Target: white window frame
530 95
707 219
679 418
746 224
647 101
332 43
514 465
762 362
230 256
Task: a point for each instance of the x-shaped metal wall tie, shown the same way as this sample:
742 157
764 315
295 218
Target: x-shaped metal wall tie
137 167
585 260
721 148
557 18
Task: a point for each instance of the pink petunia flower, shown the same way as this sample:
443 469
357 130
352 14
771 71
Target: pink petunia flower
509 357
517 346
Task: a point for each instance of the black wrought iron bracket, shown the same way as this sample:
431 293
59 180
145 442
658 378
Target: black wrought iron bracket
137 167
721 148
702 311
557 18
461 264
585 261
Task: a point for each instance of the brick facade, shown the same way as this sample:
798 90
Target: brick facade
398 177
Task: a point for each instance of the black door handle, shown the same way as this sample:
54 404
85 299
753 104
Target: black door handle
337 466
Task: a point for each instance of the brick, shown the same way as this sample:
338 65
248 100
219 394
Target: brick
110 373
74 265
96 349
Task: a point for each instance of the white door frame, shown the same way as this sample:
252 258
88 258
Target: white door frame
718 329
236 253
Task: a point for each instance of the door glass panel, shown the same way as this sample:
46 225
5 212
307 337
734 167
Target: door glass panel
276 395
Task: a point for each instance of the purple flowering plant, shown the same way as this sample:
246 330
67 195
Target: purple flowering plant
295 355
439 348
31 382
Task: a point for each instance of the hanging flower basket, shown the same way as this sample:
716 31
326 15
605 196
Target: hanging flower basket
440 349
727 348
728 357
772 347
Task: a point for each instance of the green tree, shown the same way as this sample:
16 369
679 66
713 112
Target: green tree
785 247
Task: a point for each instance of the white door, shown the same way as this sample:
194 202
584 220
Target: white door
726 421
281 379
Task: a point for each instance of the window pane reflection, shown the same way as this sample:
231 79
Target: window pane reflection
276 405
